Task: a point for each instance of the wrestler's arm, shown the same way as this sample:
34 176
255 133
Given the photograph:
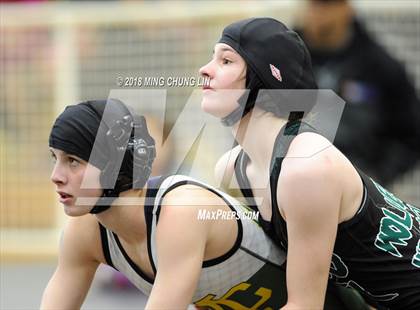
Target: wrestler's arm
76 267
310 195
181 241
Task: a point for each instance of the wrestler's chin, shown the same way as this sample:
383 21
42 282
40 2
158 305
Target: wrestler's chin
76 210
214 108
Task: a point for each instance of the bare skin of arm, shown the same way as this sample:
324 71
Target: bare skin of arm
311 194
181 243
77 265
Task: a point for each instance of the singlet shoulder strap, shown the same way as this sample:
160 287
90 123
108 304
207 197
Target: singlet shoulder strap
240 165
285 137
153 186
105 245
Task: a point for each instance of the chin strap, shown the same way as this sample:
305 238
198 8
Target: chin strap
235 116
99 208
104 202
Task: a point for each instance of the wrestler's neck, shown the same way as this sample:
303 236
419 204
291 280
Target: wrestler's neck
256 133
126 216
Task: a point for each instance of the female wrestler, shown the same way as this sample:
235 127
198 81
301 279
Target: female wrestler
333 220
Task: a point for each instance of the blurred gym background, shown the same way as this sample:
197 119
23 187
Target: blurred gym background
55 53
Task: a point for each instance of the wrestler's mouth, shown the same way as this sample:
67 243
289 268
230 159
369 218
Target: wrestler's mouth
65 198
206 84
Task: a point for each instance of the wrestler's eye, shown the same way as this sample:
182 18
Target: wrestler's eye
74 162
53 157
